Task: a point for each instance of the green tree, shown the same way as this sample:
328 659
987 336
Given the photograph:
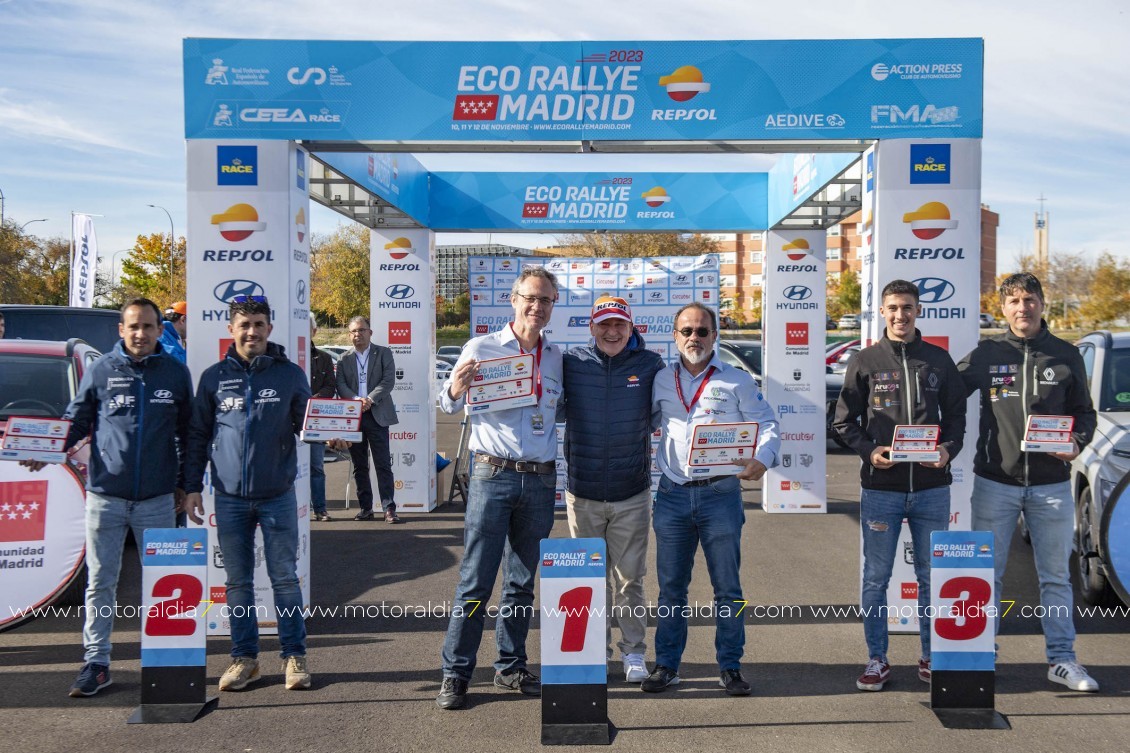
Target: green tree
844 294
1108 296
339 273
633 245
146 270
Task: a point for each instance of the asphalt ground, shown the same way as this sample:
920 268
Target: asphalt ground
376 675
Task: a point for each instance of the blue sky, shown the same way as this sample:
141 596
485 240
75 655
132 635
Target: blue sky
91 113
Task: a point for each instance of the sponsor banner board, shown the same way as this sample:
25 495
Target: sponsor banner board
174 597
573 611
963 605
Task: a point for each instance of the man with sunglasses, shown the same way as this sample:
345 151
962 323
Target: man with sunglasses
511 495
247 411
702 389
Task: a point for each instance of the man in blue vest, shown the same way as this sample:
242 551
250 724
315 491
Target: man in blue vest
607 414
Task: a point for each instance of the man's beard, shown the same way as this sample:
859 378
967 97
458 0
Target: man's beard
698 357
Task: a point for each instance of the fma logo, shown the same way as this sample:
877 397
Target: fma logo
237 165
930 163
934 289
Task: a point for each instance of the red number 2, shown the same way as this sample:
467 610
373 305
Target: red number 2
971 594
575 604
162 618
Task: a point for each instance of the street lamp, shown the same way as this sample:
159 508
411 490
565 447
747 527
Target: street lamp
172 243
113 265
29 222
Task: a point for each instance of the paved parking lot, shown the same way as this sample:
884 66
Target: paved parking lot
376 671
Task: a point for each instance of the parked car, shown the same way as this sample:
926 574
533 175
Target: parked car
848 321
746 355
450 350
335 351
447 358
98 327
987 321
830 323
1103 462
834 350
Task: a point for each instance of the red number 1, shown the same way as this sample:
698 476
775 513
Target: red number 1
575 604
972 595
162 618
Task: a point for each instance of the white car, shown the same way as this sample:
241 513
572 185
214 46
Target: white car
848 321
1105 461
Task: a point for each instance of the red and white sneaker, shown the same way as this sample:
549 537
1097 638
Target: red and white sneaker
924 670
874 676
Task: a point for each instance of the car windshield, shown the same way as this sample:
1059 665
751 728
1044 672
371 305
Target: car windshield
1116 381
32 385
99 328
750 353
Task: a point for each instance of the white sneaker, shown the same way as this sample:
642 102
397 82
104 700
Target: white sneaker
635 670
1073 675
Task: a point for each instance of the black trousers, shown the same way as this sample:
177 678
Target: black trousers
374 437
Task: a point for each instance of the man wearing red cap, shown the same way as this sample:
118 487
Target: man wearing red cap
175 329
607 414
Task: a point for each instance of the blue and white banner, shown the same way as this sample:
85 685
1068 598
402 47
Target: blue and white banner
962 603
84 260
565 91
174 596
573 612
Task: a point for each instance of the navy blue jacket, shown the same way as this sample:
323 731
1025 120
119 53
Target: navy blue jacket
172 343
139 413
607 414
244 419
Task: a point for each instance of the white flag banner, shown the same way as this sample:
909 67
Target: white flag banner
84 260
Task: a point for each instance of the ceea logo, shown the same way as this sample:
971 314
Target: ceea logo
684 84
399 248
300 224
655 197
796 249
930 220
238 222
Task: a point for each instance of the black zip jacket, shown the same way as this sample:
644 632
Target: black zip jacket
1019 377
892 383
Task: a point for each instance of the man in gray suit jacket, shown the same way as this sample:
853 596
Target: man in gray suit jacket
369 372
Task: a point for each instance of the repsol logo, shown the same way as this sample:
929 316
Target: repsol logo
238 254
399 267
913 254
796 267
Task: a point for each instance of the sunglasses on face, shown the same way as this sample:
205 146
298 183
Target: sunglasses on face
700 331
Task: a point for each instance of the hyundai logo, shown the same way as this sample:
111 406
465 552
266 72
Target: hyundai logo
399 292
163 394
229 289
934 289
300 291
798 293
268 392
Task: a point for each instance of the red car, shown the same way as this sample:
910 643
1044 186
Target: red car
836 350
42 514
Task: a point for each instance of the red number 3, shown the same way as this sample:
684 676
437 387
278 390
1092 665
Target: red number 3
575 604
162 617
971 594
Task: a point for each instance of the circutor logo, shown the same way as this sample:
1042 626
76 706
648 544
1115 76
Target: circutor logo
229 289
684 83
655 197
238 222
399 248
796 249
930 220
798 293
934 289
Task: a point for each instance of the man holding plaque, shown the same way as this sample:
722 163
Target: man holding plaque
135 403
703 504
900 382
1024 372
368 373
607 414
511 495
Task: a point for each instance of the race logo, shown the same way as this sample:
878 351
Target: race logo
930 163
684 84
238 222
237 165
930 220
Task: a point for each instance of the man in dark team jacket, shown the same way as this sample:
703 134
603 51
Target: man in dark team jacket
247 410
137 400
899 380
1027 371
607 414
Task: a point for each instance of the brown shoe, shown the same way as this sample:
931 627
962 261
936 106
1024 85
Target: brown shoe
391 516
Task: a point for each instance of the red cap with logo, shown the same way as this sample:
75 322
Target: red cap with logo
610 307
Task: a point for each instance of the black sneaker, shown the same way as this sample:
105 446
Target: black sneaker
659 679
91 678
452 694
520 680
733 682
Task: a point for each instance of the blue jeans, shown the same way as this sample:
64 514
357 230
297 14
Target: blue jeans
277 518
508 514
684 516
880 518
1050 513
107 520
318 477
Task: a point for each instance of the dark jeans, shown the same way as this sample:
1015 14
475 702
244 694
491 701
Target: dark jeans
375 438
